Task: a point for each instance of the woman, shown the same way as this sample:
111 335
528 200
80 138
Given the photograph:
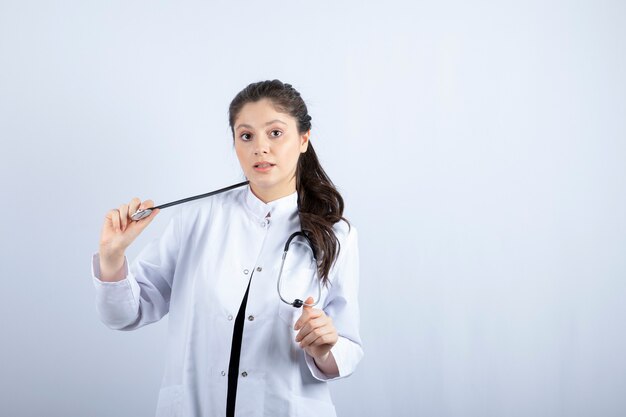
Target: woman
232 343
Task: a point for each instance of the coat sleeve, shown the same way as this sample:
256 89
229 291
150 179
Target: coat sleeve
343 307
143 296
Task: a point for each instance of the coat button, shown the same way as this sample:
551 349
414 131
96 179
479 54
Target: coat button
230 317
244 374
223 373
251 318
245 271
259 269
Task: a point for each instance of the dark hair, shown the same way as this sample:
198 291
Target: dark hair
320 205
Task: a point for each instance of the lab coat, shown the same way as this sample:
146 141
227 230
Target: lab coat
198 271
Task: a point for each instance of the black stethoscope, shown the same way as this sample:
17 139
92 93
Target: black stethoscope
297 303
140 214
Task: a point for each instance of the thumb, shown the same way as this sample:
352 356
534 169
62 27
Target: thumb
303 317
309 300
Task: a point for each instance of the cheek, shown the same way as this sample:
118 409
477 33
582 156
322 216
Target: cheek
240 152
291 154
241 157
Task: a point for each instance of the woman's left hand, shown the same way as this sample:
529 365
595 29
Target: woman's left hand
317 334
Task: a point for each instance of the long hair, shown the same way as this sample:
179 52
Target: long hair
320 205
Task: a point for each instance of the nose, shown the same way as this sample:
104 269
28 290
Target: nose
262 146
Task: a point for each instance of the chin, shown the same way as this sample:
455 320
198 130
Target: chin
261 183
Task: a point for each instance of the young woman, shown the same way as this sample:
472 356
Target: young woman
234 347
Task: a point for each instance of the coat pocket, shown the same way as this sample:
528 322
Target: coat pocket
170 402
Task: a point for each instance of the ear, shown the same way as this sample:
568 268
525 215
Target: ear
304 141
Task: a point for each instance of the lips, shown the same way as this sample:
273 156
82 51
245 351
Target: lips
263 164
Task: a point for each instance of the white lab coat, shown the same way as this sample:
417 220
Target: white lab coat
198 271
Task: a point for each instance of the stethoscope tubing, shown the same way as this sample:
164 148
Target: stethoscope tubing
146 212
297 302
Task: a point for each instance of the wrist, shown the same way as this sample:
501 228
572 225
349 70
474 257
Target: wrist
322 359
110 255
327 364
112 266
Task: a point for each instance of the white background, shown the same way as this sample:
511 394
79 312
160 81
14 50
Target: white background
480 148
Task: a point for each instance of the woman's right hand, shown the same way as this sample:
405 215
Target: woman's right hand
118 232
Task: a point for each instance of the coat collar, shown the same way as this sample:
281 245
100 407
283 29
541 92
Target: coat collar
283 206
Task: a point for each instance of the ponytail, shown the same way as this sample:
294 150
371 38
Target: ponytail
320 206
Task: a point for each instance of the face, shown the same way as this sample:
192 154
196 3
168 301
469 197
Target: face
268 146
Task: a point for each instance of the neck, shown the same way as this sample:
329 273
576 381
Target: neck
268 195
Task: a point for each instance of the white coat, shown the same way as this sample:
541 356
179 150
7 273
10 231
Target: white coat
198 271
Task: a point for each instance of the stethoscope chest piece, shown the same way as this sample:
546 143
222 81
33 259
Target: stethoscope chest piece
141 214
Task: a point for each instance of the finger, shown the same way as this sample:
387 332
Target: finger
133 206
143 206
311 325
305 310
328 339
123 216
115 219
306 316
315 335
310 300
147 220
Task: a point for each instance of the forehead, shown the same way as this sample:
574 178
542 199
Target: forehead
257 114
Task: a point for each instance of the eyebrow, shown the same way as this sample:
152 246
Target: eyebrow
266 124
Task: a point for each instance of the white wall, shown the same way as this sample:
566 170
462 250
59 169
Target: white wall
480 147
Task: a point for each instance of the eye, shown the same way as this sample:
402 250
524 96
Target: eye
275 136
245 137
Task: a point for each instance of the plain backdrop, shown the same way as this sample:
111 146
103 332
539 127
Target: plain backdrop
480 148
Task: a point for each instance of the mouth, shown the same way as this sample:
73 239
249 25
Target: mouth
263 165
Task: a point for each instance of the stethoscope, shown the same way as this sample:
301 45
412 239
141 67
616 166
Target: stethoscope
297 303
140 214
